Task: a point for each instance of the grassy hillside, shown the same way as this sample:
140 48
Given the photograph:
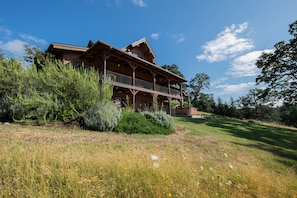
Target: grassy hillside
210 157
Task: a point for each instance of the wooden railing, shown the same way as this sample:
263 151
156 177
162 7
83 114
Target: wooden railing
121 78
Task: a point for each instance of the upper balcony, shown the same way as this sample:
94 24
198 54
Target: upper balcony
125 81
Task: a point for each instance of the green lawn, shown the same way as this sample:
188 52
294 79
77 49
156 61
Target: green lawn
211 157
279 141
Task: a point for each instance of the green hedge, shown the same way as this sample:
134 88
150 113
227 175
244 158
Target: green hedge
132 122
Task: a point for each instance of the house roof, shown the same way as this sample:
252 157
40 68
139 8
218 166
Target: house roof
59 46
94 47
99 45
144 46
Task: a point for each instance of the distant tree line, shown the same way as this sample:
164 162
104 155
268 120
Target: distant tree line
278 75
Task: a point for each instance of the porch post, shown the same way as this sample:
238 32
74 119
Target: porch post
104 66
181 94
154 81
169 92
133 75
134 92
169 103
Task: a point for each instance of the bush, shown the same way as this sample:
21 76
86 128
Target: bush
5 110
103 117
132 122
34 106
54 92
160 118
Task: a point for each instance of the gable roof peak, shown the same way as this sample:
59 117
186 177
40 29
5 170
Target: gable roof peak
142 49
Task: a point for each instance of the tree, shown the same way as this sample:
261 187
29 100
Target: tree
221 108
173 69
279 69
196 84
35 56
205 102
254 106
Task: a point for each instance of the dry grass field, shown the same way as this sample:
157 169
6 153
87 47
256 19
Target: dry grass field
211 157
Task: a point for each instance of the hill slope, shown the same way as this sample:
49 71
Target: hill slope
210 157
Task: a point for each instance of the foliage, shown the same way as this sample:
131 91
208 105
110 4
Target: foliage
196 84
160 118
205 102
132 122
55 92
253 106
186 104
103 117
279 70
173 69
35 56
288 114
173 104
5 110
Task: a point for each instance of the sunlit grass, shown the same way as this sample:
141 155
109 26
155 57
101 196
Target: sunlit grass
59 162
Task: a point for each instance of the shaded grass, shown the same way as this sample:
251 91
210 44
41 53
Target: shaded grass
55 162
280 141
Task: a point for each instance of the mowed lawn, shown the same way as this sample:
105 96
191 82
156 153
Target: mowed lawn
211 157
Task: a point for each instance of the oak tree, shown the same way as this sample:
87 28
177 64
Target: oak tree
279 69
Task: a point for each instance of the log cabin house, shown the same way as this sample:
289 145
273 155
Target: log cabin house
137 76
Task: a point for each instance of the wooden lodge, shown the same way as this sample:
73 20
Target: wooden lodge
134 68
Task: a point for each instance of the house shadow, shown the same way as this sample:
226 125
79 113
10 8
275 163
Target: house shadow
281 142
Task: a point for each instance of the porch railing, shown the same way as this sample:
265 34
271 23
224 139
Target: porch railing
121 78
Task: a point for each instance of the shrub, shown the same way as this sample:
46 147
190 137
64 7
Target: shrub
132 122
54 92
34 106
5 110
103 117
160 118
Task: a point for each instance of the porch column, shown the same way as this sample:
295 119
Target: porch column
155 102
134 92
169 92
133 76
154 81
104 66
181 94
133 73
105 57
169 103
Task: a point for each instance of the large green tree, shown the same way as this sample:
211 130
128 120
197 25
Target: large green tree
279 69
173 69
196 84
254 106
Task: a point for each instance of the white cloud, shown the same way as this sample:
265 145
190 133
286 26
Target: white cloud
6 31
218 81
34 39
139 3
15 46
236 88
178 37
155 36
226 45
245 65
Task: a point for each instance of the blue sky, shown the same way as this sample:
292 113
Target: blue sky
221 38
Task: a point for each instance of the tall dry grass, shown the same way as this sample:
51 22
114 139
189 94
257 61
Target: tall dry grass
59 162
